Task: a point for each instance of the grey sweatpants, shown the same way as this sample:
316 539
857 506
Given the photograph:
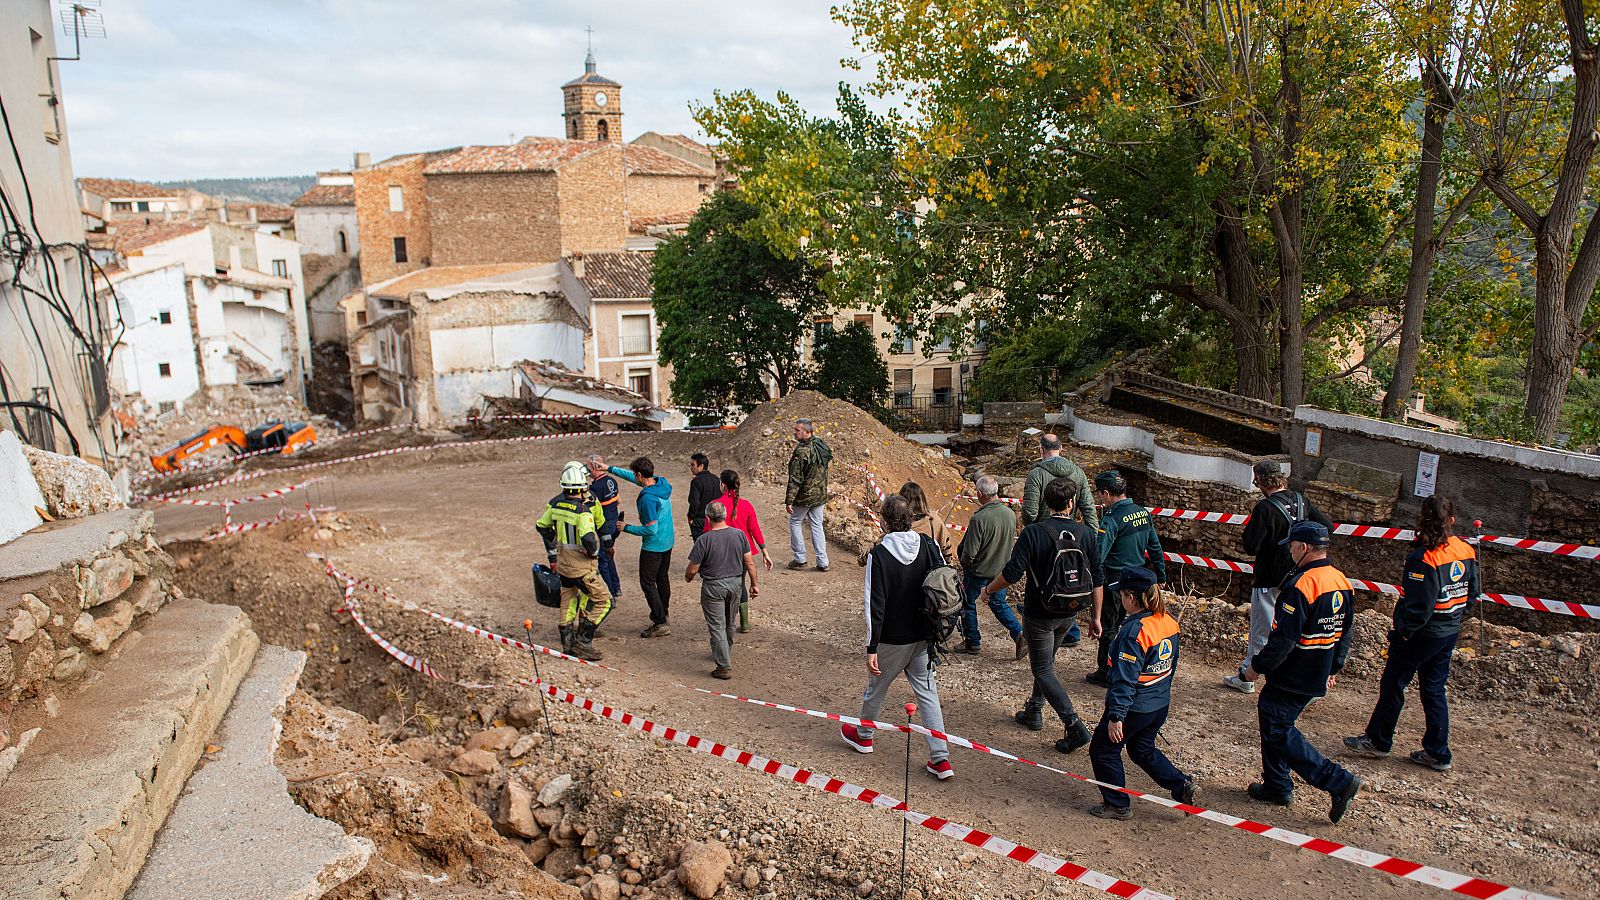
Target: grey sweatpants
912 659
1263 607
719 600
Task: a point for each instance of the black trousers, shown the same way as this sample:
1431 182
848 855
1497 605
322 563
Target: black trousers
655 580
1112 615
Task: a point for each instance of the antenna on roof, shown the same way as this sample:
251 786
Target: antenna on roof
81 19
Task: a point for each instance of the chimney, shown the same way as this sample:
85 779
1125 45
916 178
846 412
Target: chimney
363 160
254 215
1416 401
222 212
577 265
166 215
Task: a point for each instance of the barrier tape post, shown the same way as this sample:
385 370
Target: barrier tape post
1477 532
905 825
544 710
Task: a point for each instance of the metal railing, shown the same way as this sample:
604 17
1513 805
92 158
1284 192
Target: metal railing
937 411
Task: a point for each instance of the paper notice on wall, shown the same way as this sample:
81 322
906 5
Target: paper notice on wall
1313 441
1427 473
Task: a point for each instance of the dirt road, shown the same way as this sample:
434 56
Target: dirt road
1518 806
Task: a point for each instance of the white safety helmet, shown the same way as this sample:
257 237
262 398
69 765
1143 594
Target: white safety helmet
574 476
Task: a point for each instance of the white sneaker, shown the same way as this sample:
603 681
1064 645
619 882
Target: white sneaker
1239 684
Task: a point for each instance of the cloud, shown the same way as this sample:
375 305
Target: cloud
187 90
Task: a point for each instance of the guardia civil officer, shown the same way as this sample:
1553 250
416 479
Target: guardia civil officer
1144 654
1127 539
1441 578
1302 658
570 527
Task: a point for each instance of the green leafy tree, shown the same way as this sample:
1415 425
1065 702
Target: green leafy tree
731 312
849 367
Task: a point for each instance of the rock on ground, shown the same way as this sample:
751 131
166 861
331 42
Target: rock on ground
72 488
702 867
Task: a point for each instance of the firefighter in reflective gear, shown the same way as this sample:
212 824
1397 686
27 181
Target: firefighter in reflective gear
571 526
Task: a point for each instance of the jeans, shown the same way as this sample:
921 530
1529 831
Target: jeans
1112 615
655 579
1139 732
1045 637
719 600
608 572
970 586
797 541
911 659
1285 749
1263 607
1427 658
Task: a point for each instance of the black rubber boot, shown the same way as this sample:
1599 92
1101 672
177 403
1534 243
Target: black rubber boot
583 644
566 638
1031 717
1077 736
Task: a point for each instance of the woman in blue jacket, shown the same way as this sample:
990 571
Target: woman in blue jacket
1143 658
655 526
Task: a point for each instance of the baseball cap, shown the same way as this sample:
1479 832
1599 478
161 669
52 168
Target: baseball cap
1267 468
1137 579
1312 534
1111 481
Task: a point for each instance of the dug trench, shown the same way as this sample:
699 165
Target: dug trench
466 791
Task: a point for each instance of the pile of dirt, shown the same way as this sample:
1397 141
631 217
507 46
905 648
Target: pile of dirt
431 841
1492 662
764 441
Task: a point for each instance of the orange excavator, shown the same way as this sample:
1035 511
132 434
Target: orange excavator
285 437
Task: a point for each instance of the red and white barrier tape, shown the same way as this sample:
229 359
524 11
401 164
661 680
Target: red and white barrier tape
815 780
1538 604
240 501
1557 548
1433 876
375 454
285 516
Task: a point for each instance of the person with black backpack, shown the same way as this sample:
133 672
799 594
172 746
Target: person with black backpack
898 630
1278 511
1061 558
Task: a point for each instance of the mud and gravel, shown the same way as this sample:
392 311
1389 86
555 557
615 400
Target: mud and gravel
452 529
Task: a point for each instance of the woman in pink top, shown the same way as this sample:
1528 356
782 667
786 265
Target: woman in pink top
742 515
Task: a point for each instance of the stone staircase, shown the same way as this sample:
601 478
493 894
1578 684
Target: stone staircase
112 688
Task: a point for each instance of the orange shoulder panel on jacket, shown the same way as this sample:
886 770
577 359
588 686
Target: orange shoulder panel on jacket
1155 629
1313 583
1454 549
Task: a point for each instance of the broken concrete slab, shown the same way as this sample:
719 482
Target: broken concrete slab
69 542
235 831
79 812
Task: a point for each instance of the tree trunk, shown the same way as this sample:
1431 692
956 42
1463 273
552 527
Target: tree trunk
1555 350
1424 247
1250 333
1286 227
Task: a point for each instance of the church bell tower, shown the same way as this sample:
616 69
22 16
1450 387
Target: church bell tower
592 106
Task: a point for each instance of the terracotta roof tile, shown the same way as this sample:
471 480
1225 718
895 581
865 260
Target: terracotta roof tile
122 189
639 224
617 275
442 276
533 154
644 160
239 212
327 195
133 237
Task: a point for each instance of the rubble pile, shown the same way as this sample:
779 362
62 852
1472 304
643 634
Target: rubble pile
151 432
764 441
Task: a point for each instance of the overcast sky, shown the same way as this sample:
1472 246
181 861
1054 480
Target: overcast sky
185 89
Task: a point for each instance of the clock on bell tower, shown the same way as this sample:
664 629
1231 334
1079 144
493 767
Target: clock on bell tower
592 106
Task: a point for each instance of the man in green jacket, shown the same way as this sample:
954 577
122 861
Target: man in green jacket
1053 465
983 553
1128 540
807 494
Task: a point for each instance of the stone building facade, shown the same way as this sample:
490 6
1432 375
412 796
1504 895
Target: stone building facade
591 106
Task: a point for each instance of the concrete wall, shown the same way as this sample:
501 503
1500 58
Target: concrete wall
29 81
328 318
270 247
606 360
230 316
317 229
494 218
149 343
1514 489
667 145
195 250
19 493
